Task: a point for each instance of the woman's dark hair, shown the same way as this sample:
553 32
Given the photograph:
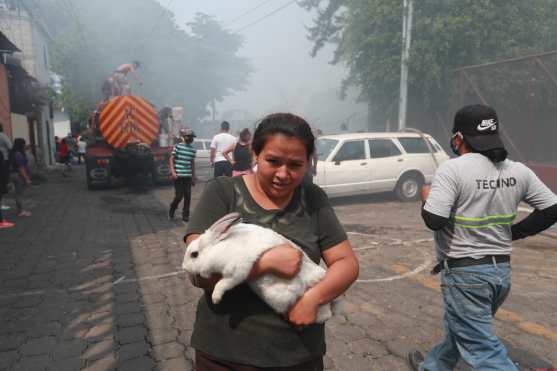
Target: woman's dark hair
286 124
19 146
244 133
494 155
136 64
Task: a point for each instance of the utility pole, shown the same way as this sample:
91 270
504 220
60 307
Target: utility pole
407 12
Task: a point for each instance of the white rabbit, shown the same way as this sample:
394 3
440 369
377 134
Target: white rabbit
231 248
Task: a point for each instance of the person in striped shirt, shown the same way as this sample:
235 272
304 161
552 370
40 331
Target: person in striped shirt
182 166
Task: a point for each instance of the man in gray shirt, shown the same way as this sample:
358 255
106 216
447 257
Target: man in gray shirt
5 143
471 206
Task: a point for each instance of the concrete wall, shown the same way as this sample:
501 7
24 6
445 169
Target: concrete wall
62 124
20 128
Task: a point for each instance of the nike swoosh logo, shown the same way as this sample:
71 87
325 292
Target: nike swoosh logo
487 124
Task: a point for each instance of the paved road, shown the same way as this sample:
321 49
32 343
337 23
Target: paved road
92 282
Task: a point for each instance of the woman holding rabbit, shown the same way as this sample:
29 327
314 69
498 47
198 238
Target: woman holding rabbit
242 332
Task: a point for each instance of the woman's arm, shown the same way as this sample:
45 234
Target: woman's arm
282 260
343 270
171 166
24 175
227 151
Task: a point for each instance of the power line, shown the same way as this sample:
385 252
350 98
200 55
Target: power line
249 11
265 16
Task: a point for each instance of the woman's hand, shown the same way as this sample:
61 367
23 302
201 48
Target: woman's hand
282 260
304 311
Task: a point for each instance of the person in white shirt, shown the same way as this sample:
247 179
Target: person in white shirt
81 149
220 143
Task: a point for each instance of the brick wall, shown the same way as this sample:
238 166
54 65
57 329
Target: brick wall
5 117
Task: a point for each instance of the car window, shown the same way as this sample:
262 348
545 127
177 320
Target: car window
324 147
381 148
354 150
198 145
414 145
436 147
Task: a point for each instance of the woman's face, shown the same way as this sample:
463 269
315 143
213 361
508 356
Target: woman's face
245 137
281 166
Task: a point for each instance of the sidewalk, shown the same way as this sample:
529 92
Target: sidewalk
70 293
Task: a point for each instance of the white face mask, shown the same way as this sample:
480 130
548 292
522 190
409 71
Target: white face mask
453 147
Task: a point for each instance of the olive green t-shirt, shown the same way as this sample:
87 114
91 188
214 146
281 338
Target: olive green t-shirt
242 328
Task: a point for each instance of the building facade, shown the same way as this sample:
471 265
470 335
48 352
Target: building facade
31 36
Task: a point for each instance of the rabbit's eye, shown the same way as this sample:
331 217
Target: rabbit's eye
194 254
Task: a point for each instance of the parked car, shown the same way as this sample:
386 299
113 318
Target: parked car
203 147
203 168
361 163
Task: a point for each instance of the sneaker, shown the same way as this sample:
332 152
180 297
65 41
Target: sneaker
5 207
24 213
415 359
6 224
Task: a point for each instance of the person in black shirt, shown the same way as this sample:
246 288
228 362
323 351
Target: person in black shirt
242 156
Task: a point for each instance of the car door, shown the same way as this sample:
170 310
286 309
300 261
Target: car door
418 155
348 172
387 162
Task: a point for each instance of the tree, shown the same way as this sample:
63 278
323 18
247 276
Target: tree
447 34
179 66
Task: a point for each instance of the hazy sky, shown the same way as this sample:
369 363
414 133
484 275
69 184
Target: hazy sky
285 77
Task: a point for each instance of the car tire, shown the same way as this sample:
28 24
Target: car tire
408 187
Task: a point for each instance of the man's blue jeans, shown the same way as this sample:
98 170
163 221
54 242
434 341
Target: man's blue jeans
472 295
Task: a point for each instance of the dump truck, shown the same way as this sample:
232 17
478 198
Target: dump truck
126 143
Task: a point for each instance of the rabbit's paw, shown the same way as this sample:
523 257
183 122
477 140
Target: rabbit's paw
324 313
216 297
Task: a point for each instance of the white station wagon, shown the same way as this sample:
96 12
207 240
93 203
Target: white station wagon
361 163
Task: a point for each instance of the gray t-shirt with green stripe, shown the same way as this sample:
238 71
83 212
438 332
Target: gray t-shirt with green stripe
481 199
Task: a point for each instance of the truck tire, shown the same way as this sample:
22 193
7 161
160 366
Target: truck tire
155 174
90 185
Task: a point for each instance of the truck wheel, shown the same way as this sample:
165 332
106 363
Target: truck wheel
90 185
155 175
408 187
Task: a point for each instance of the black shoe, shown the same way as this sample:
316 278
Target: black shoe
186 219
415 359
170 215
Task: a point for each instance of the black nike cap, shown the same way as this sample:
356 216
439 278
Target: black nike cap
480 127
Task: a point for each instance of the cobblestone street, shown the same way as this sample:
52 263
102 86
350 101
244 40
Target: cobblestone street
92 281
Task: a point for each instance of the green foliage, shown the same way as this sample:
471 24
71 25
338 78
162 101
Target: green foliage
447 34
179 67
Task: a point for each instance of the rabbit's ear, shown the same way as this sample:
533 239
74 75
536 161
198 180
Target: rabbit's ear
221 226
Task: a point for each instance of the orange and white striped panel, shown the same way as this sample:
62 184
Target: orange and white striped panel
128 118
